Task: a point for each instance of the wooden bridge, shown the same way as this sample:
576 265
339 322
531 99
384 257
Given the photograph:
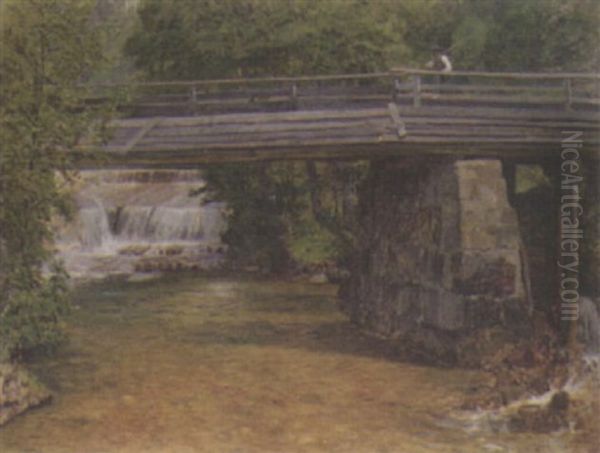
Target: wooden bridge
516 116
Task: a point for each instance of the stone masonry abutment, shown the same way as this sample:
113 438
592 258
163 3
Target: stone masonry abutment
438 247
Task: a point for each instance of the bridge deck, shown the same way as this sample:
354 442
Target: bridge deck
414 119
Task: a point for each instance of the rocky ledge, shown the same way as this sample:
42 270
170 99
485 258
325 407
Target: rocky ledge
19 391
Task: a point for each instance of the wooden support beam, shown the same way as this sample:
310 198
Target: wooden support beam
139 135
417 91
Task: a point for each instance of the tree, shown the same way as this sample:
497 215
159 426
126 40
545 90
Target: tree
194 39
507 35
47 49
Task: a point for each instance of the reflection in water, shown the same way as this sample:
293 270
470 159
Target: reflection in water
224 365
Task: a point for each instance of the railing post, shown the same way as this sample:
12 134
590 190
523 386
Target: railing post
193 100
569 94
294 95
417 91
396 90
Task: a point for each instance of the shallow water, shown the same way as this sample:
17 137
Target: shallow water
187 364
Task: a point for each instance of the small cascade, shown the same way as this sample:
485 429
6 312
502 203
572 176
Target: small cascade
140 221
94 231
589 325
162 223
541 413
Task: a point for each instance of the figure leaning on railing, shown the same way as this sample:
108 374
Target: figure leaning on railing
440 62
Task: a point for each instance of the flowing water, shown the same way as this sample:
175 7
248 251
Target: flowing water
131 221
187 363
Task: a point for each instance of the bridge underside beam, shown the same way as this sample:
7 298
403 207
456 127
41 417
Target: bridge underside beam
364 133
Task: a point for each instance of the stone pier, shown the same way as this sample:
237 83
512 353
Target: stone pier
439 248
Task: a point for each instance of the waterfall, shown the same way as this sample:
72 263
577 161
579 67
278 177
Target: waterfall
130 221
160 223
93 228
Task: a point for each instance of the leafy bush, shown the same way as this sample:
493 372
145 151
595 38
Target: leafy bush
31 318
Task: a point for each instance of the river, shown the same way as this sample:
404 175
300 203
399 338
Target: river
223 364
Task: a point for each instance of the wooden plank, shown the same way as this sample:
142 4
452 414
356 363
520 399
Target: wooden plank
249 100
344 152
586 101
266 140
246 81
500 75
266 137
254 118
140 134
394 72
220 102
367 113
524 152
488 99
500 122
482 132
495 112
267 127
479 100
515 89
365 140
310 130
324 124
299 141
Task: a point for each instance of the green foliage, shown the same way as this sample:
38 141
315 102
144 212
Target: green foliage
521 35
549 35
114 20
530 177
31 319
181 39
262 199
47 48
310 243
273 222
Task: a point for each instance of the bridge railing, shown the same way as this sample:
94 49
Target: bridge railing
417 88
567 90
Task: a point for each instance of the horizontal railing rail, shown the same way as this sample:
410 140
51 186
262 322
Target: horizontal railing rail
414 87
503 75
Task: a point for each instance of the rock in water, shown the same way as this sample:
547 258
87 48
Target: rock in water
559 402
318 278
542 419
19 391
589 324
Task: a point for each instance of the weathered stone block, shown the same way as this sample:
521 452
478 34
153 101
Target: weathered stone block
439 247
480 275
443 310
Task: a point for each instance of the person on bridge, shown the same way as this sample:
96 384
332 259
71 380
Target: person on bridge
440 61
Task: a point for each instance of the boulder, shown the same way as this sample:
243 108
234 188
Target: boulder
19 391
542 419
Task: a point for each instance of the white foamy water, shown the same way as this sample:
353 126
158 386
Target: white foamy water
582 386
140 221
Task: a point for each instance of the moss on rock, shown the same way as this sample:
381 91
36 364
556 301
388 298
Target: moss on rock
19 391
